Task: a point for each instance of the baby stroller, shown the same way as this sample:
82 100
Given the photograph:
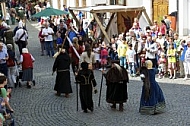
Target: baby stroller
19 77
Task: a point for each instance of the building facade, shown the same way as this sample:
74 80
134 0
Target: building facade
156 9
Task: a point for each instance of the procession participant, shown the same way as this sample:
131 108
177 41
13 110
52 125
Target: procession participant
116 81
73 55
87 56
62 67
152 99
85 78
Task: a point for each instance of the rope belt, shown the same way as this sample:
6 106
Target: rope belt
62 70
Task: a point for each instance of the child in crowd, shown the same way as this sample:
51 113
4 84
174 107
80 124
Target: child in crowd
59 40
171 54
103 56
161 65
131 56
96 50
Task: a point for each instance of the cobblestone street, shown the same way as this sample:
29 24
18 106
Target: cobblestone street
39 106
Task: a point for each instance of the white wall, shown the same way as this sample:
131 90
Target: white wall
172 6
100 1
134 2
188 17
183 17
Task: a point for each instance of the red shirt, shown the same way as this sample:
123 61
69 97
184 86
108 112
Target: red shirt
163 29
73 55
27 61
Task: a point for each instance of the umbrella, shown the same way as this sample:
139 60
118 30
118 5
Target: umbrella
49 11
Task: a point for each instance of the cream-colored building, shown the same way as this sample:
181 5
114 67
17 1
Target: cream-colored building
156 9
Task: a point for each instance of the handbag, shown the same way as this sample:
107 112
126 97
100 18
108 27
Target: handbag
10 62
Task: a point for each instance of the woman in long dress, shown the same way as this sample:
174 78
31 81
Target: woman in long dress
152 98
62 67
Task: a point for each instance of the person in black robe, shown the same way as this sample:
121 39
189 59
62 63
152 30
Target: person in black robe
62 67
116 81
85 78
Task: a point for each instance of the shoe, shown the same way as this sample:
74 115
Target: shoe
174 78
58 94
121 107
159 77
181 76
185 78
85 111
67 95
170 77
104 69
91 109
134 75
28 86
113 106
34 82
16 84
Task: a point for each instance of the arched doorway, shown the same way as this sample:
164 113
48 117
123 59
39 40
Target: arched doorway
160 8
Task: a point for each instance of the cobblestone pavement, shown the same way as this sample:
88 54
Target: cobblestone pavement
39 106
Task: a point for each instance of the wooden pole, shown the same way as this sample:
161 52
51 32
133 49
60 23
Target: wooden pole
101 26
139 14
146 15
75 18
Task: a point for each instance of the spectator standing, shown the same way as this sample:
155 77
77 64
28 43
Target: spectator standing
187 61
11 67
42 42
151 50
103 56
3 58
163 28
96 50
48 33
162 65
131 59
121 50
171 54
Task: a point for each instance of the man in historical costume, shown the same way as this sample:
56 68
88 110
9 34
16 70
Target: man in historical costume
62 67
85 78
116 81
152 98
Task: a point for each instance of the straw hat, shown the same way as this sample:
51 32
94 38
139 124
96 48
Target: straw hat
148 64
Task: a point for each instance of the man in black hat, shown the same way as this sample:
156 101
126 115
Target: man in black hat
116 81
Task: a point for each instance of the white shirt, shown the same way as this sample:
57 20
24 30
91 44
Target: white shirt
187 55
19 33
152 47
131 55
47 31
97 55
161 41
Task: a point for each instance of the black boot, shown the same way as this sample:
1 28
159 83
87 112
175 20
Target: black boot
121 107
113 106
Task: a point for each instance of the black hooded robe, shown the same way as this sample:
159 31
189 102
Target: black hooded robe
62 67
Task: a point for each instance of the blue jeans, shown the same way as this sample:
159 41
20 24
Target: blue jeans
132 68
49 48
123 62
